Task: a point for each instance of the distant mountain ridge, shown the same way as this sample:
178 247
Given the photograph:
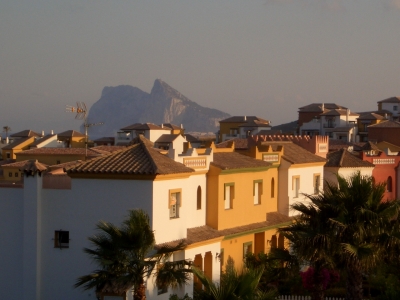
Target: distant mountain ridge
124 105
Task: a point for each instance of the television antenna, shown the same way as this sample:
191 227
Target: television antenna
81 114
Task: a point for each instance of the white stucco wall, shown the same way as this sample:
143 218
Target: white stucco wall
330 173
11 250
167 229
287 172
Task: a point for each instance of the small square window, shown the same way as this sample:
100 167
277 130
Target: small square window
61 239
9 174
16 174
58 162
395 107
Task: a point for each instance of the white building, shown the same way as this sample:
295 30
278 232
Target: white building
46 222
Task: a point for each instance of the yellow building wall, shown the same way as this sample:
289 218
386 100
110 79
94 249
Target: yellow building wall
243 210
78 142
225 128
12 174
234 247
17 149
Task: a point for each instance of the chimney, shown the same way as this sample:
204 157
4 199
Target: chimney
162 125
181 126
42 133
245 118
323 107
52 131
347 116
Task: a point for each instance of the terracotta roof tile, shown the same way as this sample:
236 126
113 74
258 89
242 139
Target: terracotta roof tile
234 160
239 144
370 116
18 164
386 124
62 151
33 166
317 107
203 233
337 112
139 158
171 126
344 159
26 133
296 154
70 133
107 148
390 100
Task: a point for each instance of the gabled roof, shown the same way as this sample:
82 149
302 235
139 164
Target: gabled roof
167 138
26 133
386 145
104 148
33 166
256 123
317 107
370 116
18 164
344 159
62 151
338 112
243 119
296 154
386 124
234 160
42 140
70 134
138 159
17 143
171 126
144 126
368 146
390 100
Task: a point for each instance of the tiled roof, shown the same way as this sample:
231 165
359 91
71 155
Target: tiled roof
239 144
65 165
256 123
338 112
140 158
370 116
43 139
386 124
390 100
370 146
335 144
344 159
144 126
386 145
234 160
204 233
131 127
167 138
104 148
26 133
190 138
296 154
33 166
317 107
16 143
243 119
171 126
18 164
70 133
63 151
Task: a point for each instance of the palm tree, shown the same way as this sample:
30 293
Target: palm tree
6 129
127 256
347 227
234 285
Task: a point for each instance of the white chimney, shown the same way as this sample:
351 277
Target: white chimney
347 116
162 125
42 132
245 118
52 131
323 107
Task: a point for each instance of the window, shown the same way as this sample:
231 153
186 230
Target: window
198 197
58 162
162 289
272 187
174 203
61 239
257 191
395 107
389 184
16 174
317 183
229 195
274 241
296 186
281 242
247 248
9 174
8 155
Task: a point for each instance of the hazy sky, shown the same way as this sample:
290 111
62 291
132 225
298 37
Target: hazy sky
245 57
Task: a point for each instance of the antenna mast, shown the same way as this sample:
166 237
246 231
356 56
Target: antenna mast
81 114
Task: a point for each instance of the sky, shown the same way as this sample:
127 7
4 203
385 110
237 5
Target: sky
245 57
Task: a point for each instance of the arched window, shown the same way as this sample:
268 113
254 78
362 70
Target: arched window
199 197
389 184
272 187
